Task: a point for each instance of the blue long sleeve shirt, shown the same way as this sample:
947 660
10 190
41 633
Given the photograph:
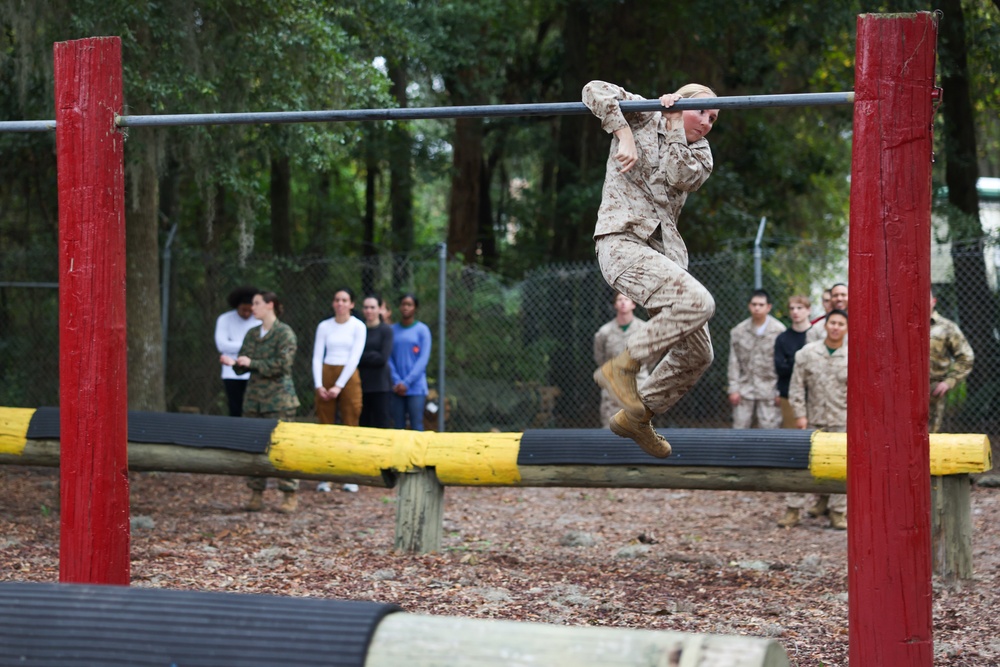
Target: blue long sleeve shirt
411 350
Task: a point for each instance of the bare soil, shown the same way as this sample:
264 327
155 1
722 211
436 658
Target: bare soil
694 561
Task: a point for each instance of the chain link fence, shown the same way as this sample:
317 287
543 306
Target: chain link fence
518 355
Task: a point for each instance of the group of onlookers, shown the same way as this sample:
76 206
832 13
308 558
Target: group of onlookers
370 373
797 377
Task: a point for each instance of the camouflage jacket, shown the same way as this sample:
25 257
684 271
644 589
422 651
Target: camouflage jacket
270 388
609 341
951 354
649 197
818 390
751 360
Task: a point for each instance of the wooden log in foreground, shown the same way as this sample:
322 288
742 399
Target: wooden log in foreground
448 641
96 625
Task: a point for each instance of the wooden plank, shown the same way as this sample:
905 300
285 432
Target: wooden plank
94 526
888 481
678 477
438 641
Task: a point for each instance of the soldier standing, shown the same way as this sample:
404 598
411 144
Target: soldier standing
786 345
818 394
267 354
951 362
753 383
609 342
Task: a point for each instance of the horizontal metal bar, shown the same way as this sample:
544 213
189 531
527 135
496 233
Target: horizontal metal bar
27 125
481 111
423 113
42 285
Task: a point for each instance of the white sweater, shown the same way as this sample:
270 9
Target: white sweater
338 345
230 330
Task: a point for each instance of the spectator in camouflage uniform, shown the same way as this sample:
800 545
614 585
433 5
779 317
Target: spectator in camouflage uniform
656 159
267 354
951 362
818 394
753 382
609 342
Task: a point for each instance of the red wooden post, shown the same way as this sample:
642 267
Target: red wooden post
94 535
888 480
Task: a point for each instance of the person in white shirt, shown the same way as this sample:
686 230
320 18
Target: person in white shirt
230 329
340 341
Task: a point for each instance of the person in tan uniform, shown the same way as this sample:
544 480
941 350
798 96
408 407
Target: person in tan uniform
753 382
656 159
951 362
818 394
787 344
609 342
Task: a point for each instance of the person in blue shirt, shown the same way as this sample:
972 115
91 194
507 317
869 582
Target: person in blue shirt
411 350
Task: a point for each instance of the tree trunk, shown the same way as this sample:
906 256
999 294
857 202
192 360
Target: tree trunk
368 249
976 303
281 201
572 227
400 166
464 205
142 278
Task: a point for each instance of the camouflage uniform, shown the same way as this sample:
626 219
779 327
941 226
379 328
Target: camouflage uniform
752 374
951 362
818 391
609 342
270 392
640 251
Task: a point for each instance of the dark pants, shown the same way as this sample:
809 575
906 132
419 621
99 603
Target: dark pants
375 409
409 406
234 396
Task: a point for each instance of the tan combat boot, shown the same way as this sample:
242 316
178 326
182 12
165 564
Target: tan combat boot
791 518
838 520
256 503
819 509
290 503
642 432
618 376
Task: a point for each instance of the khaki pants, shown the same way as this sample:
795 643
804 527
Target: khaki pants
787 414
837 502
349 400
675 342
936 413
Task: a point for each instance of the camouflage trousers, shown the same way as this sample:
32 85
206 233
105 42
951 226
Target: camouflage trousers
768 414
260 483
836 502
936 413
675 343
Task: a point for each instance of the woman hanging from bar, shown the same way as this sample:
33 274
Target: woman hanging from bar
656 159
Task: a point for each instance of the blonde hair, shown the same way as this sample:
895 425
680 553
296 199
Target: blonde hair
694 89
799 299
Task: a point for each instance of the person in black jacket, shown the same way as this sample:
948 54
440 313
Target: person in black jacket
376 381
786 345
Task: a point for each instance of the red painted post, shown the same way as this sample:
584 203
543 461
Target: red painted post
94 535
888 469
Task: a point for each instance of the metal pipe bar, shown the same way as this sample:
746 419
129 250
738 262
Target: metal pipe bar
27 125
423 113
482 111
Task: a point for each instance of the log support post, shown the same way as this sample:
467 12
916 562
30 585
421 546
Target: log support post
94 521
888 459
419 511
951 526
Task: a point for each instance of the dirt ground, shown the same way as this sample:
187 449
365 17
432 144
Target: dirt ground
696 561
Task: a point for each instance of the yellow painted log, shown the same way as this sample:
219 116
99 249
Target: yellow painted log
950 454
14 429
